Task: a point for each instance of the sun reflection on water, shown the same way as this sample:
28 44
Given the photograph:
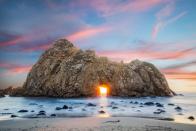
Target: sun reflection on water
103 103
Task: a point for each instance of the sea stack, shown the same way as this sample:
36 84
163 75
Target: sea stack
66 71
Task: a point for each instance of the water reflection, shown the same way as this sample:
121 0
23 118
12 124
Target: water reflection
103 103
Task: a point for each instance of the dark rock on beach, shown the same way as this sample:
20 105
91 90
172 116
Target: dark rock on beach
12 116
159 111
114 107
191 118
178 108
170 104
159 105
53 115
41 113
66 71
101 112
149 103
58 108
65 107
91 104
22 111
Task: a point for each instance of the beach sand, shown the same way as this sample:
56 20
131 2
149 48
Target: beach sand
93 124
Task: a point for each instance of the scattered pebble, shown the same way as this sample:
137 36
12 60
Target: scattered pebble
12 116
22 111
191 118
53 115
41 113
159 111
136 102
65 107
101 112
178 108
114 107
58 108
159 105
170 104
149 103
91 104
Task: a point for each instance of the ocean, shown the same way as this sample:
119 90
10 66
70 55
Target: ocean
149 107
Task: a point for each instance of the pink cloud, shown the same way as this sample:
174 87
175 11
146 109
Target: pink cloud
179 74
86 33
19 70
148 54
12 69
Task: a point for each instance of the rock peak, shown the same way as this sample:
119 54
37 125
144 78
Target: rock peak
63 43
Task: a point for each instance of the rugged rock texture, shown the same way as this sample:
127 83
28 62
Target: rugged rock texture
66 71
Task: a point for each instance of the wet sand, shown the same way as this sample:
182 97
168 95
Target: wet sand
93 124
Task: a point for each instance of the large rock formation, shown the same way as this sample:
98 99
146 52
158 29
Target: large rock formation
66 71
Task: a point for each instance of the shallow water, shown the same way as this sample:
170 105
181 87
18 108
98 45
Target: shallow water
124 107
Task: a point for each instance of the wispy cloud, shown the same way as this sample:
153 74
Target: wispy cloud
86 33
163 18
106 8
148 53
13 69
178 71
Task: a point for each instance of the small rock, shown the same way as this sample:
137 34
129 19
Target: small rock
178 108
32 111
170 104
114 107
83 109
65 107
136 102
159 111
159 105
101 112
191 118
58 108
53 115
91 104
42 111
12 116
22 111
6 109
149 103
166 119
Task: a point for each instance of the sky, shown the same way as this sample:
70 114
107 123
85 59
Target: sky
162 32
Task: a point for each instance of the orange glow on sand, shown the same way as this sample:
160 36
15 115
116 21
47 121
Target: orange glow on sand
103 90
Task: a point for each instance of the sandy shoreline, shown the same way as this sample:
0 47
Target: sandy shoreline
93 124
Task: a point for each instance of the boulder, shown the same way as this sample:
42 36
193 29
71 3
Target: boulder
66 71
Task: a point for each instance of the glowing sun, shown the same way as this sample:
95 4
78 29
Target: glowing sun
103 90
